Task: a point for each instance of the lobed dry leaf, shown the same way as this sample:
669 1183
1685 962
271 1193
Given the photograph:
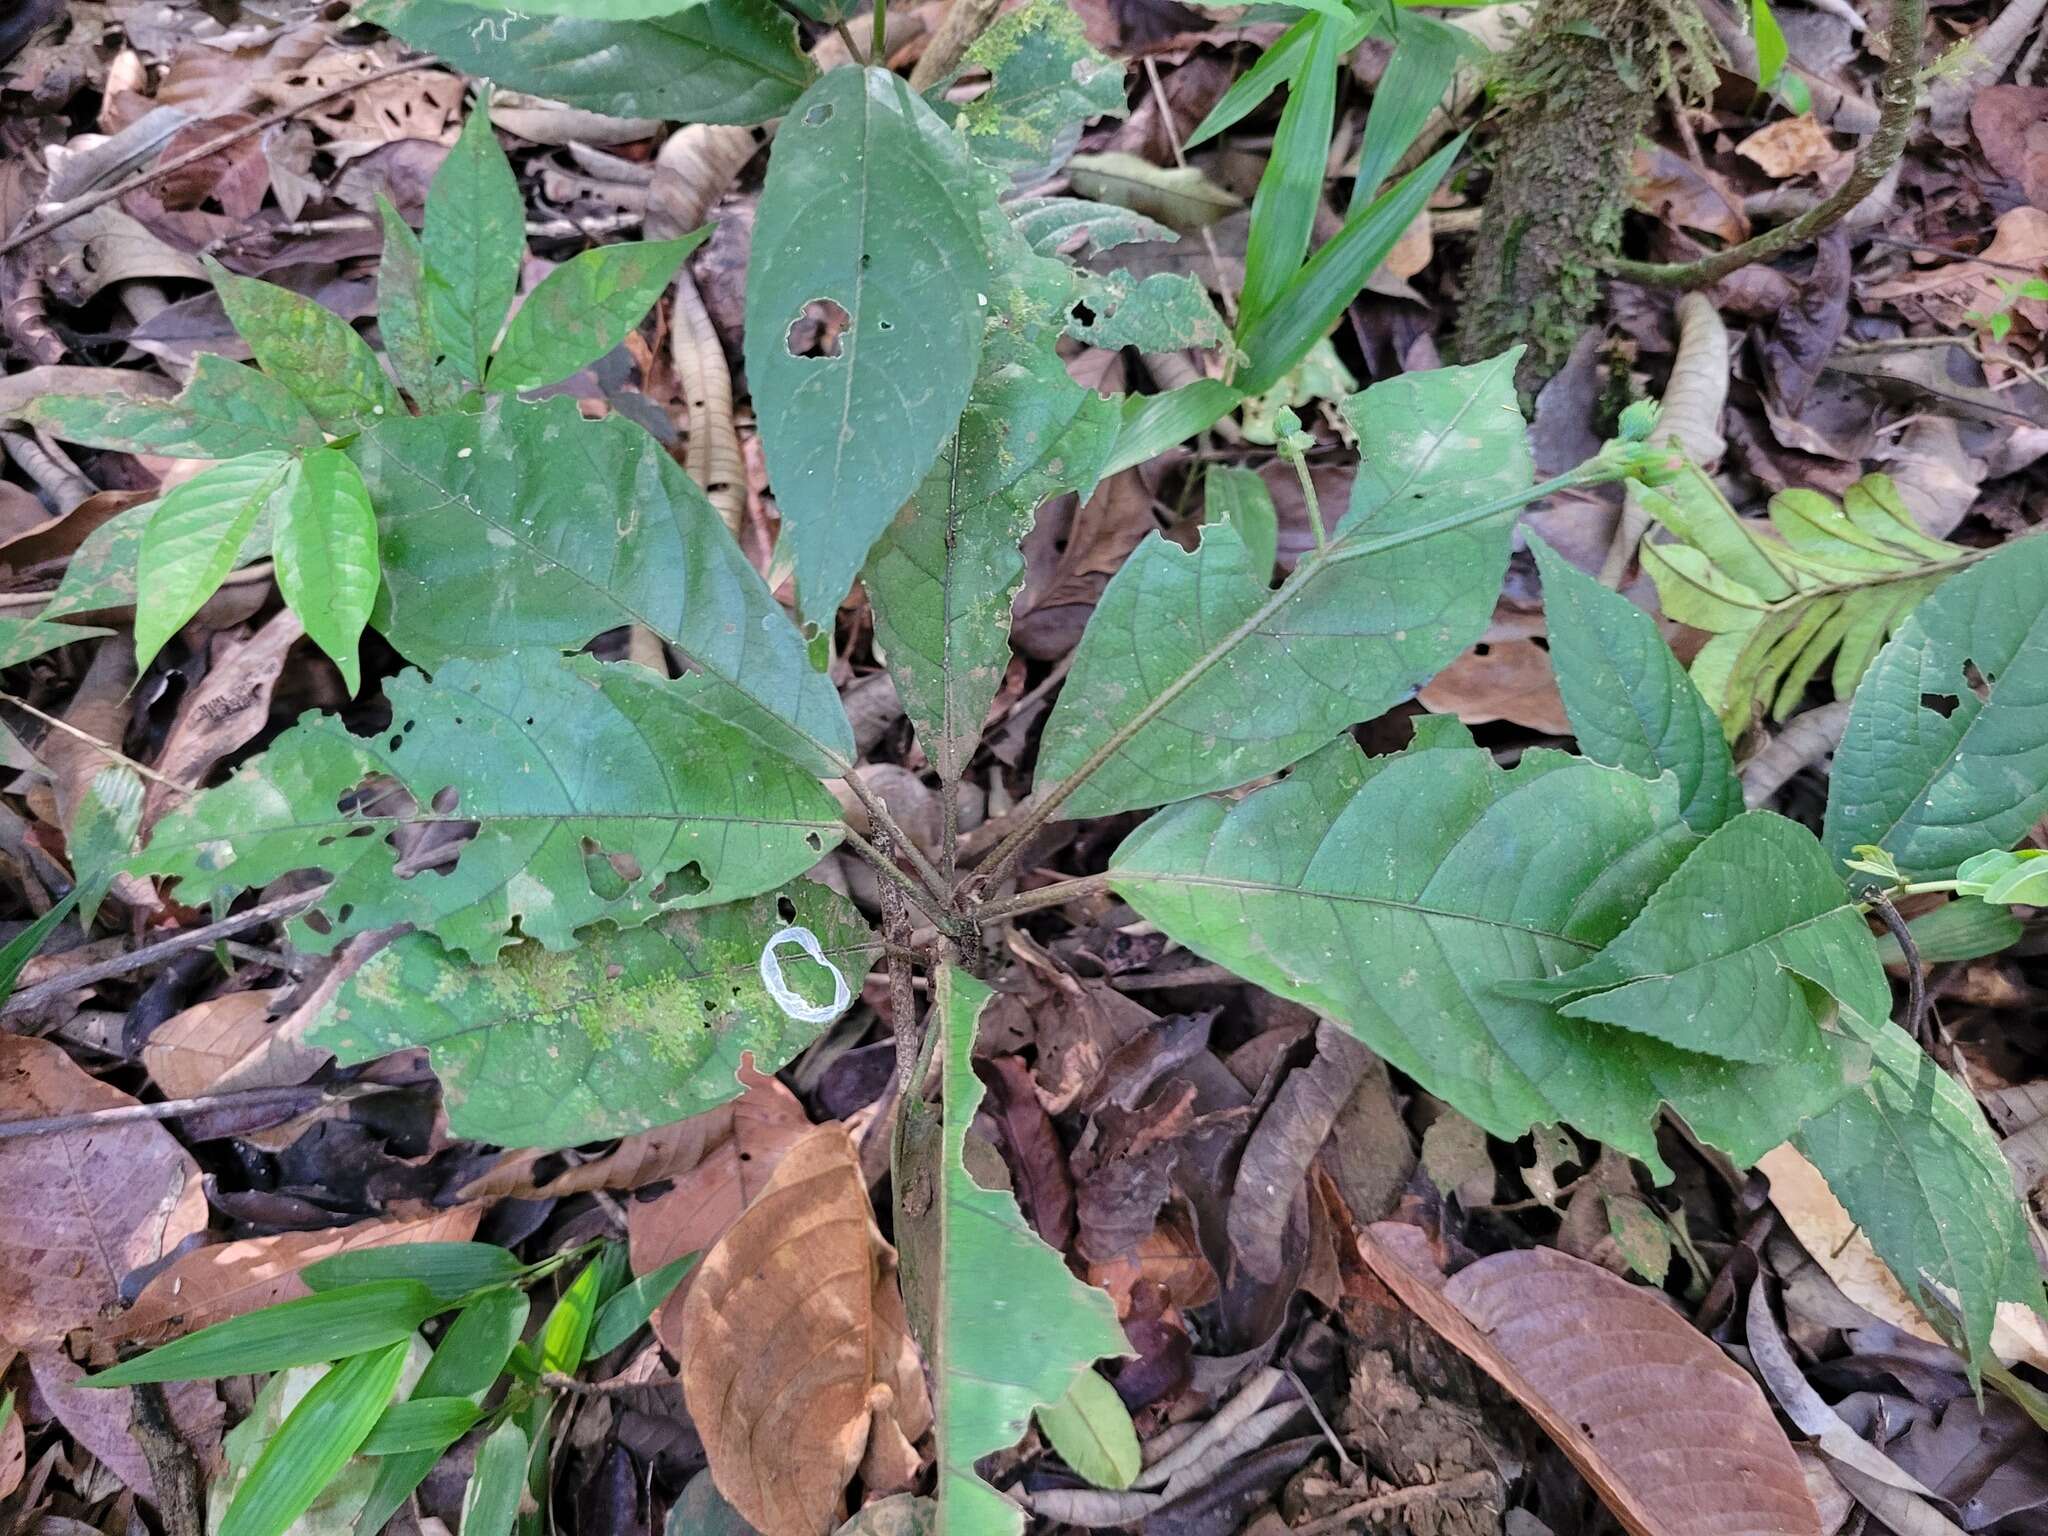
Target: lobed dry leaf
797 1363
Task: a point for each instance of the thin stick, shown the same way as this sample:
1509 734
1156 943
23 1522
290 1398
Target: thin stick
172 1109
885 823
137 959
80 206
890 871
94 742
1055 895
1897 93
1916 976
1466 1485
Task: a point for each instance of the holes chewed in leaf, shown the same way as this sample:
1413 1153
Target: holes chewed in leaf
815 331
1943 704
1977 682
819 115
687 881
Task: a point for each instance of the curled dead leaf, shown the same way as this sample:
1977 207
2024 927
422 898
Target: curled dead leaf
797 1363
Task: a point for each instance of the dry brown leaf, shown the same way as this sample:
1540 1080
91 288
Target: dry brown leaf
1687 194
763 1124
190 1051
1672 1435
793 1346
13 1452
647 1158
207 79
99 1419
424 104
80 1209
227 709
1792 146
209 1285
1837 1244
1500 680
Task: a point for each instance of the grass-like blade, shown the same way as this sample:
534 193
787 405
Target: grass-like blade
315 1443
310 1331
446 1269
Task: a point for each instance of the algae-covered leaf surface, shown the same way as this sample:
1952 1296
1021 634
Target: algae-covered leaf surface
637 1028
528 790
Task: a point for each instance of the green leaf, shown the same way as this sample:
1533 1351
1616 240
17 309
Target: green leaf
315 1442
1046 81
409 339
1239 498
729 61
1911 1160
559 1349
310 350
327 555
1820 581
1630 701
1945 754
471 1355
474 238
1093 1432
1721 958
1279 337
597 10
584 308
450 1270
1193 674
103 833
626 1313
634 1029
596 793
990 1370
1051 224
421 1424
1399 895
499 504
194 538
942 578
1291 189
491 1502
871 204
1955 930
1248 92
1164 312
309 1331
224 411
1426 57
19 950
2004 879
1771 51
1154 423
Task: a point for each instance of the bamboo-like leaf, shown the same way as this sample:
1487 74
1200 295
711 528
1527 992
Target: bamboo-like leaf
310 1331
595 792
1426 57
726 61
872 205
491 1502
634 1029
1291 190
224 411
1629 699
1007 1328
315 1442
420 1424
447 1269
495 508
1401 895
1193 673
1946 750
626 1313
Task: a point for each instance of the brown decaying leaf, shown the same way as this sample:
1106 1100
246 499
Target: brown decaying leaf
13 1452
1675 1439
227 709
794 1345
1038 1164
1500 680
1792 146
1805 332
209 1285
759 1128
2011 123
188 1053
1282 1145
80 1209
99 1419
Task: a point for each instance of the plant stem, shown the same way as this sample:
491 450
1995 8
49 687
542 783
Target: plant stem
893 874
1897 93
1916 974
846 37
1308 499
1044 806
1055 895
878 44
887 825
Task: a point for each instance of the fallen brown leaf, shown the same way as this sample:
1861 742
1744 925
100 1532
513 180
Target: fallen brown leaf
1672 1435
190 1051
80 1209
795 1348
227 709
99 1419
1792 146
1500 680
